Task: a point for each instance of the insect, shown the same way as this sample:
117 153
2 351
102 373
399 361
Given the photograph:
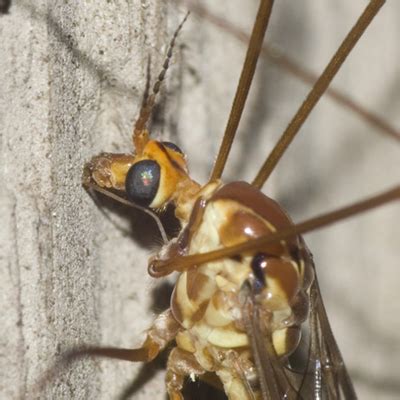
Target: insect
248 353
129 326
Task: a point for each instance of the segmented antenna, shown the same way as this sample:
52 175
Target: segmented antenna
148 80
147 107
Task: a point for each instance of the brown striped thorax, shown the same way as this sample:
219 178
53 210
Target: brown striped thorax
207 299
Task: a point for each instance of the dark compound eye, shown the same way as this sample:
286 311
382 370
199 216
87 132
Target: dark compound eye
172 146
142 182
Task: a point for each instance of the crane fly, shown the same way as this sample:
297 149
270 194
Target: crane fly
250 358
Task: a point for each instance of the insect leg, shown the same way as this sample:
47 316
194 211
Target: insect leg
181 363
162 331
162 267
290 66
106 192
317 91
243 88
234 386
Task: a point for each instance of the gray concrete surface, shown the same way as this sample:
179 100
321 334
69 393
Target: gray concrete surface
72 76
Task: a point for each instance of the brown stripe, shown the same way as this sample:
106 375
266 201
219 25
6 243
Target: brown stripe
170 159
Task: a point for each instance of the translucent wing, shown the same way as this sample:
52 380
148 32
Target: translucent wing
275 381
326 376
323 375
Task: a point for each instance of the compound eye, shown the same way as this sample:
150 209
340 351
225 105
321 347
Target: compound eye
142 182
172 146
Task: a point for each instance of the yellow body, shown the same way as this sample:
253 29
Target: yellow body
206 300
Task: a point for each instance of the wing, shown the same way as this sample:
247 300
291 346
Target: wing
323 375
326 376
275 381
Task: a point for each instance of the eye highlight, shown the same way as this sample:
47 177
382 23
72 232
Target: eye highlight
142 182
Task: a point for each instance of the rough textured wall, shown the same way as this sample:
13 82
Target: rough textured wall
72 78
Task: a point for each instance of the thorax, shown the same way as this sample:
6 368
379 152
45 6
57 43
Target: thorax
206 299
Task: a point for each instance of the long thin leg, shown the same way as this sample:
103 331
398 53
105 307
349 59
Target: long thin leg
290 66
158 267
162 331
92 186
317 91
180 364
246 77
